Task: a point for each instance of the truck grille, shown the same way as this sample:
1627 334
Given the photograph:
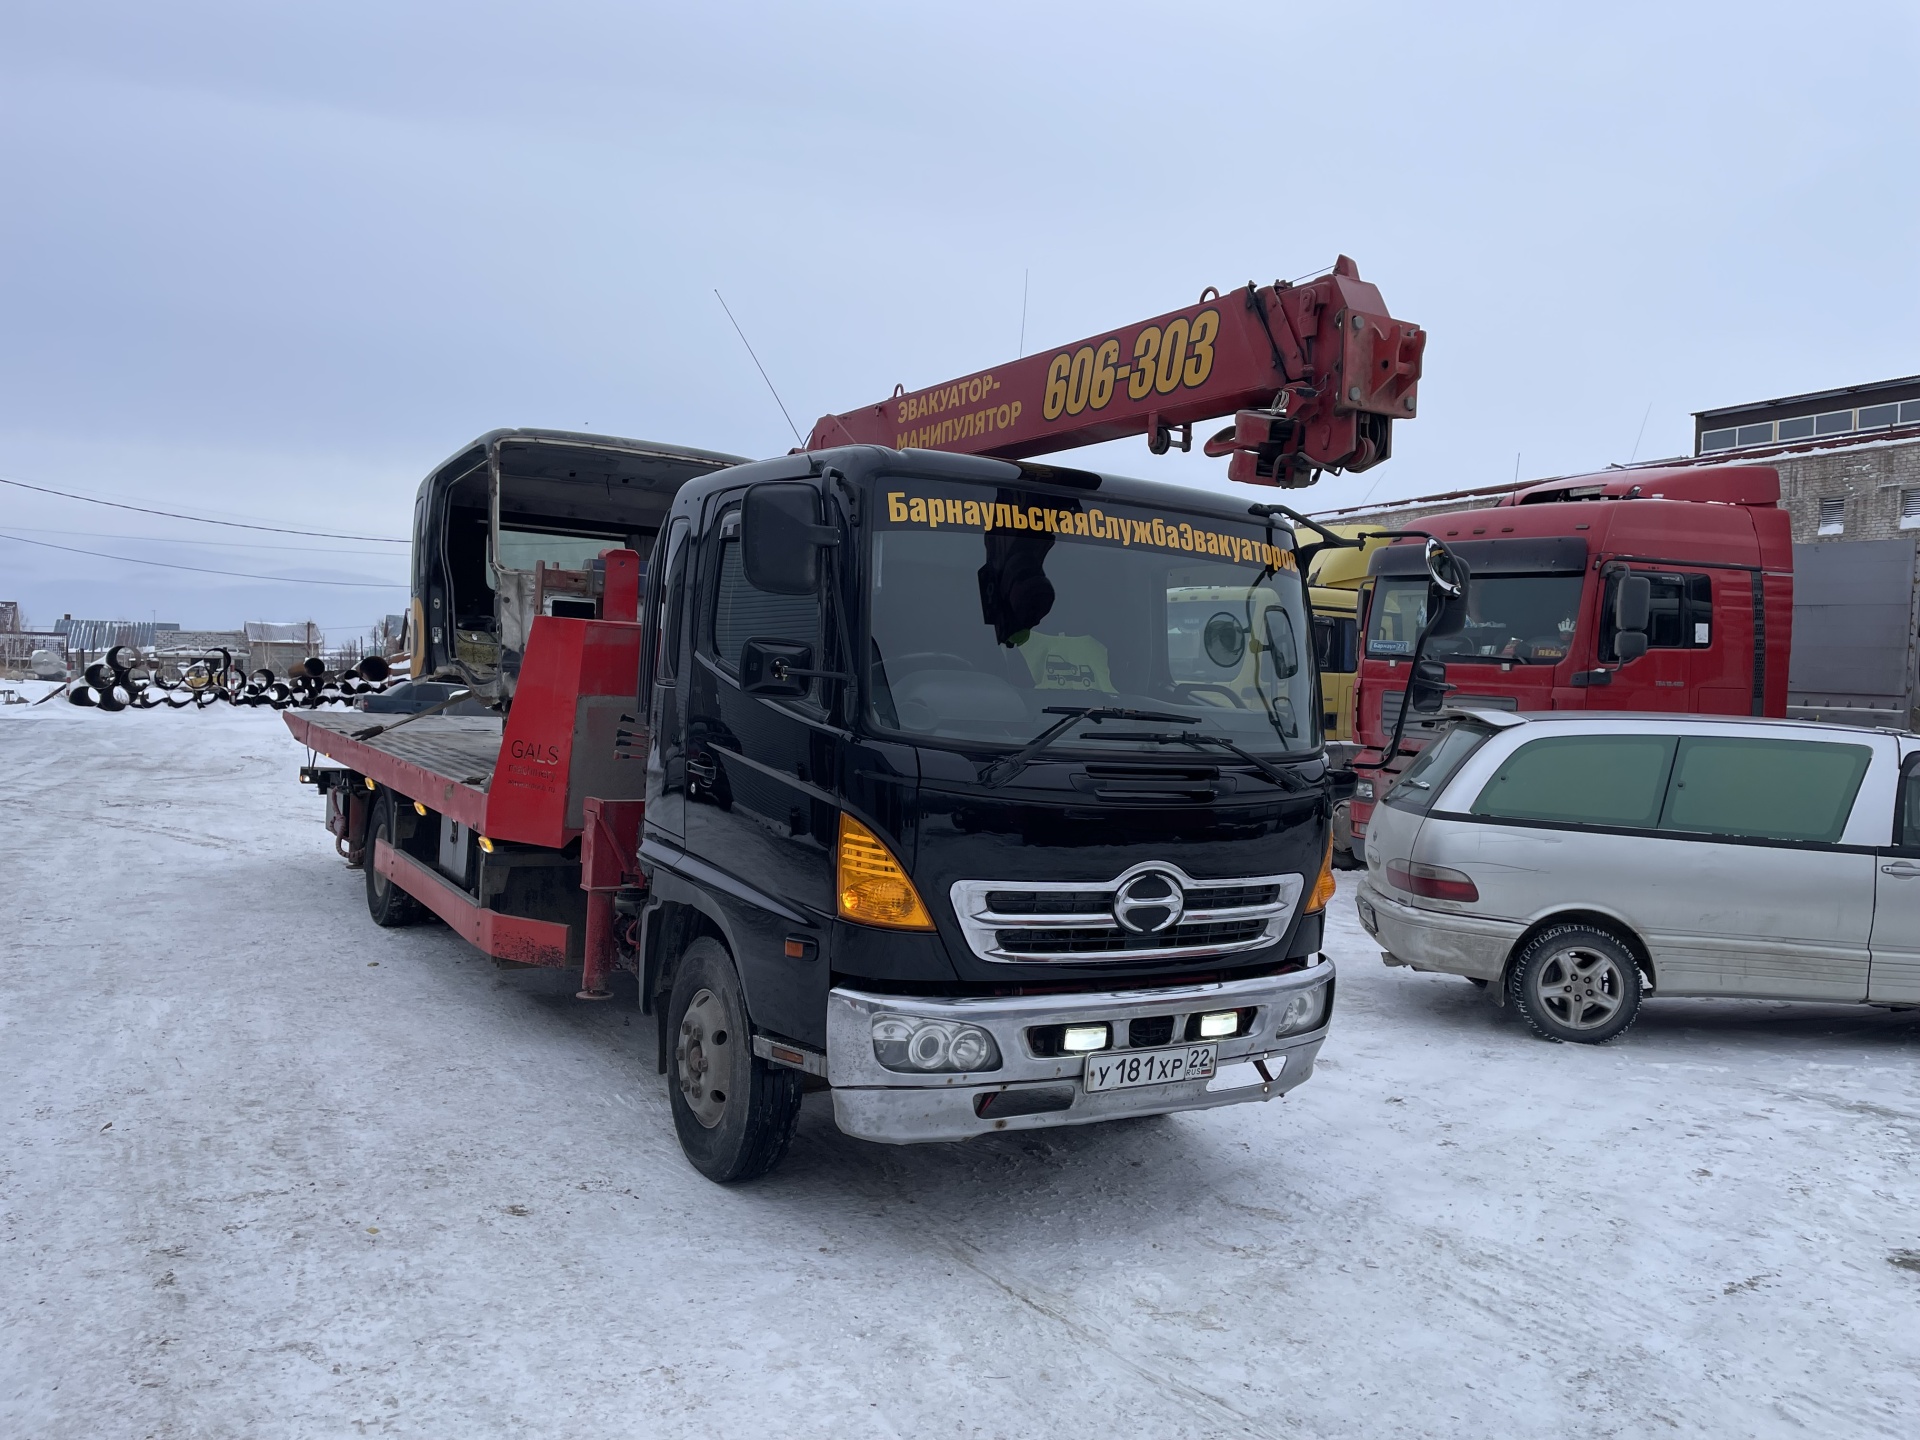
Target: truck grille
1071 921
1114 941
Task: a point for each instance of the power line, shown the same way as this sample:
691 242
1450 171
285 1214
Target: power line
202 570
200 544
203 520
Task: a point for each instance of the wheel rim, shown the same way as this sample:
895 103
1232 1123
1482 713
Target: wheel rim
381 831
1579 988
703 1058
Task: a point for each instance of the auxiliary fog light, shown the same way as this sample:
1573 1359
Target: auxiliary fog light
1079 1039
1219 1025
1305 1011
910 1043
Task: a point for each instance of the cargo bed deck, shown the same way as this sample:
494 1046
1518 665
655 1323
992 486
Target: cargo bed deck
445 761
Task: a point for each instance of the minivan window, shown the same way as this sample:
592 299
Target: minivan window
1907 833
1423 780
1582 779
1768 789
742 613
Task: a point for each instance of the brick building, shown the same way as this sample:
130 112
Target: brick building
1849 460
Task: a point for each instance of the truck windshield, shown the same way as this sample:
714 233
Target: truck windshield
981 625
1516 619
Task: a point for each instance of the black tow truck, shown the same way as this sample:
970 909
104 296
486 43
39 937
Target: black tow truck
984 794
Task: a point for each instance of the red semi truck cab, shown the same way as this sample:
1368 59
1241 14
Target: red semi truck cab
1547 563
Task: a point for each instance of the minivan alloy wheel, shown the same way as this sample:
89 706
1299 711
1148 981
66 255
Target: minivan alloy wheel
1576 981
1580 988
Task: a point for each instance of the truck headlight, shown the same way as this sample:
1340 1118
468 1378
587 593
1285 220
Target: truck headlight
1363 790
1305 1011
911 1044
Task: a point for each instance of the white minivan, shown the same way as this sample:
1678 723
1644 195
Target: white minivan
1581 860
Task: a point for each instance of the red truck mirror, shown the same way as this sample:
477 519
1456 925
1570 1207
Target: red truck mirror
1632 609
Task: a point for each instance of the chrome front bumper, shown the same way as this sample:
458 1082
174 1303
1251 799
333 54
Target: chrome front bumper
871 1102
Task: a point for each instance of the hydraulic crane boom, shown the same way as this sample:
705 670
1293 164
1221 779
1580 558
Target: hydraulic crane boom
1314 375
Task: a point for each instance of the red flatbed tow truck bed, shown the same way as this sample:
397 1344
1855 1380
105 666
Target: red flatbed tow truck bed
511 806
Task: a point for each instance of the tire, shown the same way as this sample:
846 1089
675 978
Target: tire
389 905
735 1113
1576 982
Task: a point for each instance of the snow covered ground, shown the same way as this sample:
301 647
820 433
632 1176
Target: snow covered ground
266 1170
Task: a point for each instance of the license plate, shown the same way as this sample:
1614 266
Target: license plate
1128 1069
1367 917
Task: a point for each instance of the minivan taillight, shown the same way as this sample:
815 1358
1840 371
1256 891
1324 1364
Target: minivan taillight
1436 882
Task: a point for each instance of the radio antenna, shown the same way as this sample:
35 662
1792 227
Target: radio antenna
758 366
1025 275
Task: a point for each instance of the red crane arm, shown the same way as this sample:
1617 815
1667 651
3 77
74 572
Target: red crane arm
1314 375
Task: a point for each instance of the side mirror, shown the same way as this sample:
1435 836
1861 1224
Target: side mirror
775 667
781 536
1283 646
1427 687
1224 639
1632 609
1449 582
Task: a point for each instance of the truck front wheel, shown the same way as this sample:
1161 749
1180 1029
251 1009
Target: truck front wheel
386 902
734 1113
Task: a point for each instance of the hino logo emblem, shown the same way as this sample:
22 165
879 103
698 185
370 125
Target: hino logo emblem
1149 903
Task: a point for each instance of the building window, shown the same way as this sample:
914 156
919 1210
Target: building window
1910 509
1833 515
1807 427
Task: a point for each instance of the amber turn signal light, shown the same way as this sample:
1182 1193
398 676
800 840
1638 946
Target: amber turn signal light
870 886
1322 887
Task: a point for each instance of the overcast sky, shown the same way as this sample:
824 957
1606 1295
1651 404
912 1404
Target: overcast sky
275 262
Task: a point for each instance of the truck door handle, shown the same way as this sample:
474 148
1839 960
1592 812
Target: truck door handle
1904 869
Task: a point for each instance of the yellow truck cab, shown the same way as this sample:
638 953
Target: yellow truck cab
1334 587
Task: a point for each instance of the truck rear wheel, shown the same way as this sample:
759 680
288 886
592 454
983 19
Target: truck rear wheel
389 905
735 1114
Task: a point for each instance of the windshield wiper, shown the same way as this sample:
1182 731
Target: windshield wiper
1008 766
1284 779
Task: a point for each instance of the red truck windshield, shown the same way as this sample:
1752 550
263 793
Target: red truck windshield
1512 619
